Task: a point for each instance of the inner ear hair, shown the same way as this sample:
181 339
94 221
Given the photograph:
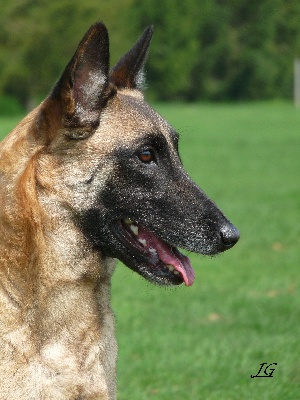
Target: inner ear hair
84 87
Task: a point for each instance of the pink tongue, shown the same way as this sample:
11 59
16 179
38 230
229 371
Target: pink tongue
169 255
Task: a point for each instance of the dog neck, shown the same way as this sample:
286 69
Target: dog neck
55 292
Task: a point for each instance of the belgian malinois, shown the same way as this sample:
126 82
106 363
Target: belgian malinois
91 175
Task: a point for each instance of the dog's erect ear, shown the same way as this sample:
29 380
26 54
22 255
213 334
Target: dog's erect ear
83 87
128 72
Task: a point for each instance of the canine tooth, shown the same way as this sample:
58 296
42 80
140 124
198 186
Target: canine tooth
134 229
153 251
176 272
143 241
170 267
128 221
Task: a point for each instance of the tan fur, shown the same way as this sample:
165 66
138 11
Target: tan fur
56 326
57 338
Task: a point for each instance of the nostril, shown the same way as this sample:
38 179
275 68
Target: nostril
230 235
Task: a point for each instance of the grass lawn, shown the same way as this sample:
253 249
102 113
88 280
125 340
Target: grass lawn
205 341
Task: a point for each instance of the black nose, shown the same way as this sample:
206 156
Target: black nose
230 235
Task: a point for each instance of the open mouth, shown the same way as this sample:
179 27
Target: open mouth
159 261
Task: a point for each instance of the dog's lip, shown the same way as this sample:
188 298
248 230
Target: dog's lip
163 261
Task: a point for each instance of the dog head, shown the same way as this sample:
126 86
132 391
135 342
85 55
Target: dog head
115 167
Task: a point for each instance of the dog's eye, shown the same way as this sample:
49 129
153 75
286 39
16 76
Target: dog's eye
146 156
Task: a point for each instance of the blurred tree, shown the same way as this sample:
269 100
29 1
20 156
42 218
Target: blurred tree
37 39
256 66
287 39
174 49
238 55
216 41
207 49
221 49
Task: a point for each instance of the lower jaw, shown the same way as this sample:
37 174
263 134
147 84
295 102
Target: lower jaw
145 263
161 280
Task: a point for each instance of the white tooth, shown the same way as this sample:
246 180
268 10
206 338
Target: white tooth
128 221
171 268
134 229
143 241
153 251
176 272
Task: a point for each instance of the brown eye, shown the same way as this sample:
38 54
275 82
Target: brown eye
146 156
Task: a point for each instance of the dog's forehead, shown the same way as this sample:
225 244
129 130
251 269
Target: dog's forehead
128 117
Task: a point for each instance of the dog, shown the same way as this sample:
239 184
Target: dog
91 175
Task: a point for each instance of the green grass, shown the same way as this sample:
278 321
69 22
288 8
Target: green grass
205 341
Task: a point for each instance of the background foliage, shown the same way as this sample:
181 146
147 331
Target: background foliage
221 50
207 49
